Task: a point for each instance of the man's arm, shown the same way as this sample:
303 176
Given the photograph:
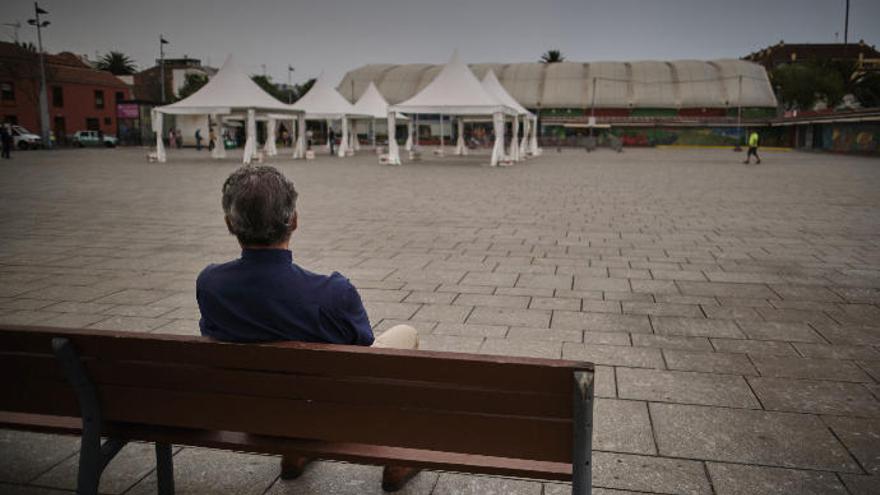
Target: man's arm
355 315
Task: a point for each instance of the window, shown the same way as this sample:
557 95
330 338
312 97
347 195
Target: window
93 124
57 96
7 91
119 96
108 121
99 99
10 119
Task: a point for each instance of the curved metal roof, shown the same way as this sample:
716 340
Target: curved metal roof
644 84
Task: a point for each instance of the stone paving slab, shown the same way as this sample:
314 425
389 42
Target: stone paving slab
709 362
817 369
819 397
199 471
27 455
737 479
126 469
622 426
748 437
339 478
861 437
685 388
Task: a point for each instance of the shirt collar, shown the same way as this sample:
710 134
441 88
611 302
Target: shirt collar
267 255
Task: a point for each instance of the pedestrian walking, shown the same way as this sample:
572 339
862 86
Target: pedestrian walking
6 139
198 140
179 136
331 140
753 148
309 136
211 137
172 139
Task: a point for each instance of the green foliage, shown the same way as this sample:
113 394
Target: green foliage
868 90
191 84
117 63
552 57
801 86
283 95
29 46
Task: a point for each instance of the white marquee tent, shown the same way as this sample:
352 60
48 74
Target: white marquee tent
517 150
323 102
454 91
230 90
374 106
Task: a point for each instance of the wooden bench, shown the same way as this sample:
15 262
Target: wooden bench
506 416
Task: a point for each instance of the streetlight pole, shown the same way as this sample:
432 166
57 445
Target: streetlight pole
162 43
289 87
846 25
44 102
739 114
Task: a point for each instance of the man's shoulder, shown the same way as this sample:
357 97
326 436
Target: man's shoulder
214 269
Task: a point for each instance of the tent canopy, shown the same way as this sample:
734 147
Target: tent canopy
455 91
493 86
229 90
373 104
324 102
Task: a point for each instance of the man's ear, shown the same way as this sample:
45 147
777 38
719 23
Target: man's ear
294 221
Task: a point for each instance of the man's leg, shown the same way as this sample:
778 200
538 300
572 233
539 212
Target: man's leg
758 158
398 337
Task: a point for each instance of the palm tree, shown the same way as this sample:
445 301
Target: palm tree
117 63
552 57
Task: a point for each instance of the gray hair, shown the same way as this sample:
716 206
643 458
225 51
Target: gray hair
259 203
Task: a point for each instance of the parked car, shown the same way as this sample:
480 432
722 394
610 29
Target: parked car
25 139
82 139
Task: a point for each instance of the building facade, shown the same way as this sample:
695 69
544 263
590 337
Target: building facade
79 96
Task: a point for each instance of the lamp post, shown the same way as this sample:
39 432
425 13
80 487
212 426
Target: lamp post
44 102
846 25
289 87
162 43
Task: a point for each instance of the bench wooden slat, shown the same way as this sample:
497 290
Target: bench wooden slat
350 452
497 435
524 374
352 390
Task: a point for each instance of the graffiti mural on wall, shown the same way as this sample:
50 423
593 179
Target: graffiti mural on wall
852 138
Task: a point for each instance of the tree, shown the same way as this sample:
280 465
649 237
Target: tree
191 84
117 63
552 57
802 86
280 94
27 46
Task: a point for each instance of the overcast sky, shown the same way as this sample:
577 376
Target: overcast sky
334 36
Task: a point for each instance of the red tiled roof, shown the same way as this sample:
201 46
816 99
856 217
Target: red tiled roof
64 67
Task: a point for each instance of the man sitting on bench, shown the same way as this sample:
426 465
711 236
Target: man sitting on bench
264 297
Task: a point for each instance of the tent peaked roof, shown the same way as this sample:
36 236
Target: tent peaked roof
324 102
492 85
372 103
229 90
455 90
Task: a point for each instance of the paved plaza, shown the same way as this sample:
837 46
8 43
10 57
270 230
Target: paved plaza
733 311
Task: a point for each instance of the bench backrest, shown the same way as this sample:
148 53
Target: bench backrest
462 403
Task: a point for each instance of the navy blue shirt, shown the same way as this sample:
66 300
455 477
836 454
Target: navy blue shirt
264 297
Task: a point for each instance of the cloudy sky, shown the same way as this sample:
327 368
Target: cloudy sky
333 36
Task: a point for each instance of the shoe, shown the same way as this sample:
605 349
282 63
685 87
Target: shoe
758 162
292 467
746 163
395 477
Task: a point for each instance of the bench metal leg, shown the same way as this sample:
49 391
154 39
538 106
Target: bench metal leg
582 448
94 455
164 469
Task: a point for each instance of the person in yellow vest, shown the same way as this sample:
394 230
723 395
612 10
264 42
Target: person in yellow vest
753 148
